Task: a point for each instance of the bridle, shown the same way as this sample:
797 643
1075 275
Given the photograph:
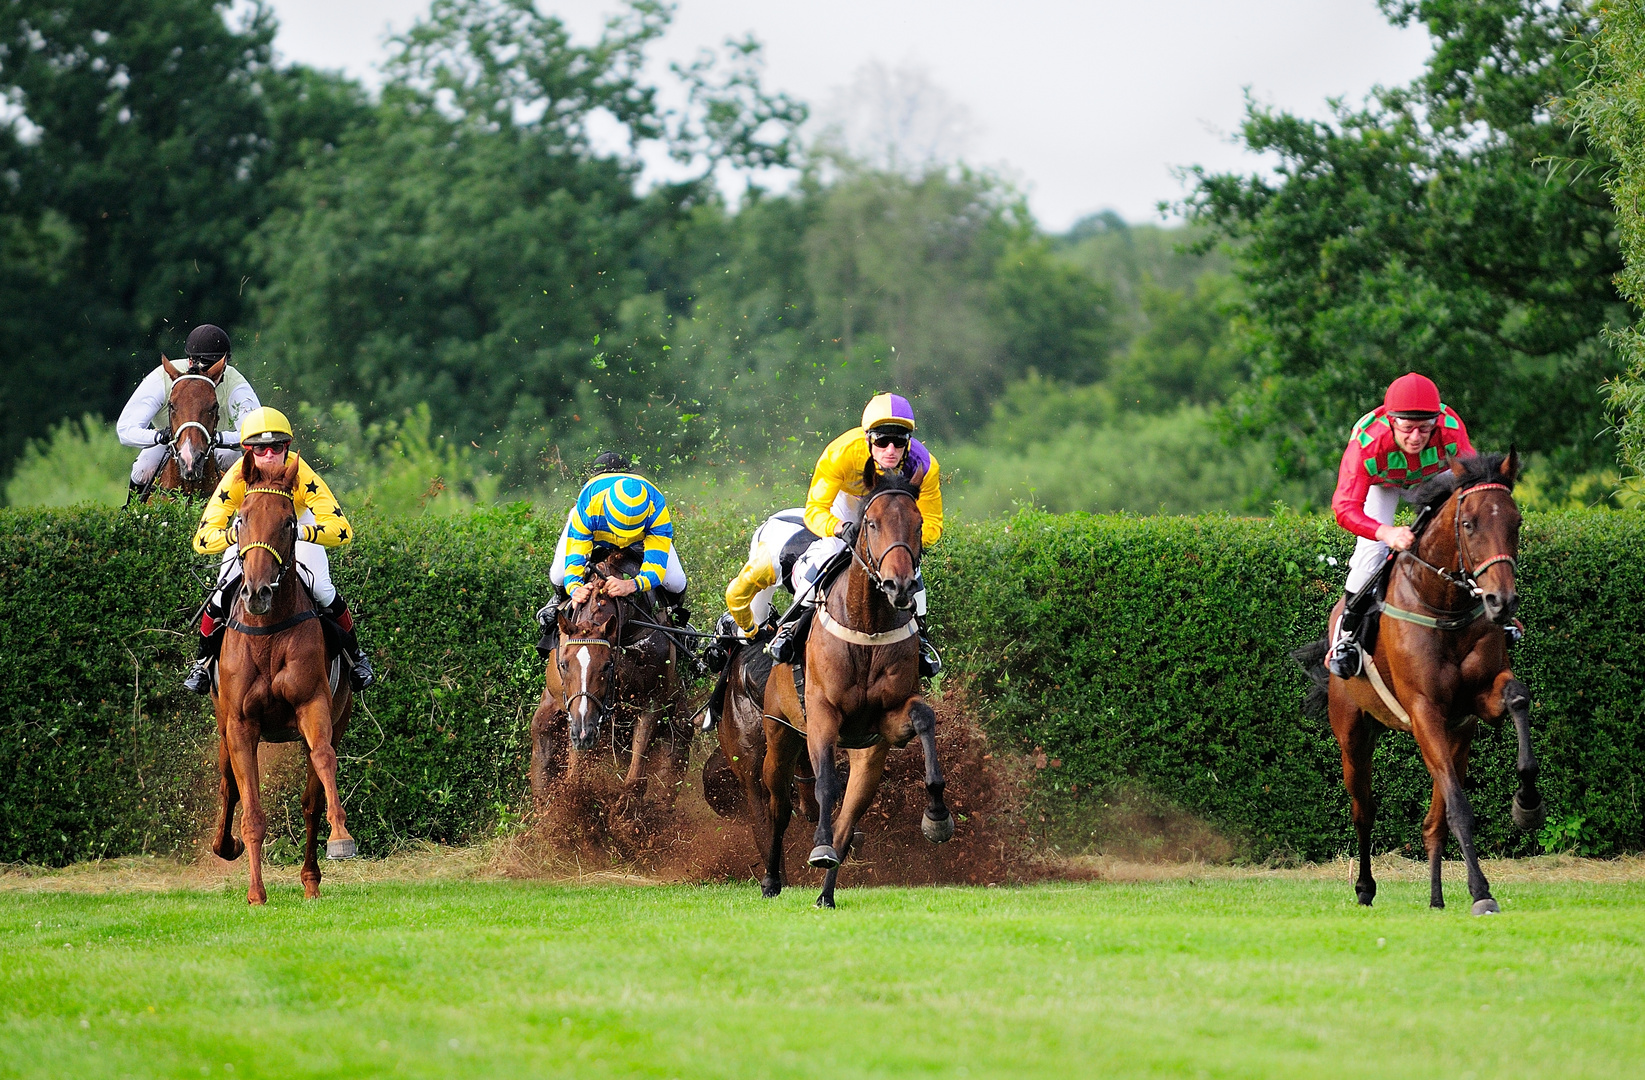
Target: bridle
209 435
602 705
291 526
872 568
1465 577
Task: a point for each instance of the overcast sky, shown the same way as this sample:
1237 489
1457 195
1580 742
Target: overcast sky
1086 104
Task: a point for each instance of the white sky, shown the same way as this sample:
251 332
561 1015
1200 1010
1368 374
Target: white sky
1086 104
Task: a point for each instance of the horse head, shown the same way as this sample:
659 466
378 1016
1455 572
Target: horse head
268 530
1477 528
587 661
889 536
192 405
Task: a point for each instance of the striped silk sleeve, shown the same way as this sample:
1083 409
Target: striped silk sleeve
659 542
579 545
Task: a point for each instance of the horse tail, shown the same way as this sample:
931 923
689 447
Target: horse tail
1311 657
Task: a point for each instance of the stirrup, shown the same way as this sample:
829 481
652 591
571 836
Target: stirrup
1515 631
1346 659
930 660
198 679
360 675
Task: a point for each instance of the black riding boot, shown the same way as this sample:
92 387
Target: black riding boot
360 675
789 644
198 679
548 620
1344 660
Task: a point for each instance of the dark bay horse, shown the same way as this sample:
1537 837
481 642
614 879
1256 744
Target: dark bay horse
1441 655
274 683
862 694
605 668
190 466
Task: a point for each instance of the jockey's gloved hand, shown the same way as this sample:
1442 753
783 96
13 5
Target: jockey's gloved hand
847 531
228 440
162 436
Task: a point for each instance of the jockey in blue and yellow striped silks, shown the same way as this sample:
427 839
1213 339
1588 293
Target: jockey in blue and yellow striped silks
622 510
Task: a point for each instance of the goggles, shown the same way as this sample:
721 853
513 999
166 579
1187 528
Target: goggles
1408 424
270 449
883 439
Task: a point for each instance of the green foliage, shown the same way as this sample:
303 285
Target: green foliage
1425 231
395 468
1156 651
80 461
1140 651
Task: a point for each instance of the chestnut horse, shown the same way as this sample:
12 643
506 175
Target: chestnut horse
274 683
190 465
603 669
862 694
1441 655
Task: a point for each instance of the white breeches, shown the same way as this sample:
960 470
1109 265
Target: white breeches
673 578
312 564
1380 503
148 462
811 563
768 543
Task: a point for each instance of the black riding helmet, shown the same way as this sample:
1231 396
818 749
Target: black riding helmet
611 461
207 344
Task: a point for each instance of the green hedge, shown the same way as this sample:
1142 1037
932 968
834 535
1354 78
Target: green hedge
1155 650
1146 650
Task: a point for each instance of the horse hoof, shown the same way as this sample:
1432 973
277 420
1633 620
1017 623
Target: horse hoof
1486 906
341 849
1365 898
235 850
1531 818
938 832
770 892
824 857
825 901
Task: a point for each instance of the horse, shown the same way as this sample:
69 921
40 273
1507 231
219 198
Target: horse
274 683
1439 665
190 465
861 693
606 667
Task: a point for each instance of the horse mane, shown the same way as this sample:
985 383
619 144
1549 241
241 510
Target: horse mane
1476 469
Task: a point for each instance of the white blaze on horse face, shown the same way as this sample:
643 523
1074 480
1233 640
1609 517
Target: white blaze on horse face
582 658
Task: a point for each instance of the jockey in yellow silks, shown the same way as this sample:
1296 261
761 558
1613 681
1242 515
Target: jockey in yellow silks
834 502
266 435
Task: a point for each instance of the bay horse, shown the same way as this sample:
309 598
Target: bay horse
861 694
274 683
605 668
190 465
1441 655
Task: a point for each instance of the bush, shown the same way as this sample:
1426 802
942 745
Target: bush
81 461
1140 654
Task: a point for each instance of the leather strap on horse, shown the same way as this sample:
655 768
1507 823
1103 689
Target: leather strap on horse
857 637
1387 695
1467 618
265 631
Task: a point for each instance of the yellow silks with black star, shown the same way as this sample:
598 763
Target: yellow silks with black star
330 528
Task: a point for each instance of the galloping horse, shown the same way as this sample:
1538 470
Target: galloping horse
862 693
190 465
274 684
1440 665
606 668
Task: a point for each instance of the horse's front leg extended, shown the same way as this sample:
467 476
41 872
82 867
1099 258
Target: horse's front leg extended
548 725
1530 812
226 846
314 721
242 736
938 823
1446 755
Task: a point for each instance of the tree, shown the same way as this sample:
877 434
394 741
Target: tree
1428 231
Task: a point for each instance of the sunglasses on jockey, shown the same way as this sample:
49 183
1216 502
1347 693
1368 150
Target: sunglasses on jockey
883 439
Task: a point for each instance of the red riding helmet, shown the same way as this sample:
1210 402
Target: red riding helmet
1412 396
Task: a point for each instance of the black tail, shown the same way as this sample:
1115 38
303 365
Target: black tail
1317 704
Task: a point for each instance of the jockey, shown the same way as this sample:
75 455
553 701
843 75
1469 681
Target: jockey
266 433
623 510
834 502
1393 448
773 555
145 422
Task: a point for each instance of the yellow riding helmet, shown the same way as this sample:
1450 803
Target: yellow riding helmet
265 427
888 411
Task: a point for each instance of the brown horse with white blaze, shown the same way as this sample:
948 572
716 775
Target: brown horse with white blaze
1441 661
190 466
862 694
275 685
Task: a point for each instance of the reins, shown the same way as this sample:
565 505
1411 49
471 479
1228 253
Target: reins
1463 578
279 559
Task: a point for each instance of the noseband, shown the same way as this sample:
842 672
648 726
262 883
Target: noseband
210 435
291 524
872 568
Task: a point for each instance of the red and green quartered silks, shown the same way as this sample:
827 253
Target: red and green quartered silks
1390 466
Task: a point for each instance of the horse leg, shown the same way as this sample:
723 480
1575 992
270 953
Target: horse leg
1357 736
822 737
938 823
314 721
546 763
867 768
777 777
1433 842
313 801
1442 752
226 846
242 738
634 784
1530 812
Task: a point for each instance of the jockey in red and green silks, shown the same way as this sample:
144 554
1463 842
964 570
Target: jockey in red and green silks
1393 448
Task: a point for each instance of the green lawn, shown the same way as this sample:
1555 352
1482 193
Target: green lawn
1246 977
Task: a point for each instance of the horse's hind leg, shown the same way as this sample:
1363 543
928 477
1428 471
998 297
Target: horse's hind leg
313 805
777 778
1357 735
226 846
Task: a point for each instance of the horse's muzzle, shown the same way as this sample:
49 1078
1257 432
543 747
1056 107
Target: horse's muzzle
900 591
259 600
584 727
1500 607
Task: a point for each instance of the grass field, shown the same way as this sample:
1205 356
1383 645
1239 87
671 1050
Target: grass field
1255 975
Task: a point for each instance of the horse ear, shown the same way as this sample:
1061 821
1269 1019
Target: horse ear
289 481
246 468
1457 467
1510 465
870 473
215 371
170 370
